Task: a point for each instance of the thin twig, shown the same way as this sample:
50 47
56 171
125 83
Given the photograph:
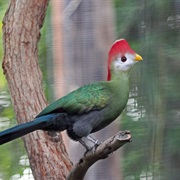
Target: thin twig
100 152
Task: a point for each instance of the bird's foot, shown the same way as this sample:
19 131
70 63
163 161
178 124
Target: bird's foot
86 141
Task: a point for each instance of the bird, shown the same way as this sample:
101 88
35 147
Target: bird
89 108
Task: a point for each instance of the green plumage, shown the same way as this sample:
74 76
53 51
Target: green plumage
82 100
101 102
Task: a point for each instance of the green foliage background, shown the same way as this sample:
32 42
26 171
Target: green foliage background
153 27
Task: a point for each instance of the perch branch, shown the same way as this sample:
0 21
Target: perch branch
101 152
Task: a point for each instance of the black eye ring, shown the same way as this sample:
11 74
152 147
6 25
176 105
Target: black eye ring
123 59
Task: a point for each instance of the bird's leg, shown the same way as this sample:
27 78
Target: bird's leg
95 141
84 144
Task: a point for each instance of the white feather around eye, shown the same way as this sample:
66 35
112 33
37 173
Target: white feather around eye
118 64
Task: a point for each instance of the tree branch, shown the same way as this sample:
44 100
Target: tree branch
101 152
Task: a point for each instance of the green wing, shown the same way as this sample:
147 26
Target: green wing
93 96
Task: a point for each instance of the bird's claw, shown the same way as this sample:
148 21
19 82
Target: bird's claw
95 142
91 148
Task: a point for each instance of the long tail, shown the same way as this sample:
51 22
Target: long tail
51 122
18 131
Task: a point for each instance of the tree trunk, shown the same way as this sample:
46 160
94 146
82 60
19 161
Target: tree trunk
21 33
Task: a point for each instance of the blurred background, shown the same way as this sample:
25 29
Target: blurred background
73 49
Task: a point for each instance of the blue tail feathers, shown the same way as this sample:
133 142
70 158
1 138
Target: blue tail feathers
51 122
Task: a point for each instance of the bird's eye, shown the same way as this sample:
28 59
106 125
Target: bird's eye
123 59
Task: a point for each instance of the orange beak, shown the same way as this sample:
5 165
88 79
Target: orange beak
138 57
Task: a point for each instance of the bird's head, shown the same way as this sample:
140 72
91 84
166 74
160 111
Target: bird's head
121 57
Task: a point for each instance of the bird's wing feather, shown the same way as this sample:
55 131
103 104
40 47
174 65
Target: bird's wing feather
93 96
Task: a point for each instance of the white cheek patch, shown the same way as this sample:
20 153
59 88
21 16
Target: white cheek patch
124 66
117 64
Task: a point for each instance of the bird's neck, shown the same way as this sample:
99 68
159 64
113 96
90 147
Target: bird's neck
120 83
120 76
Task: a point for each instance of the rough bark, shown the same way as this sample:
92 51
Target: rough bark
21 32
